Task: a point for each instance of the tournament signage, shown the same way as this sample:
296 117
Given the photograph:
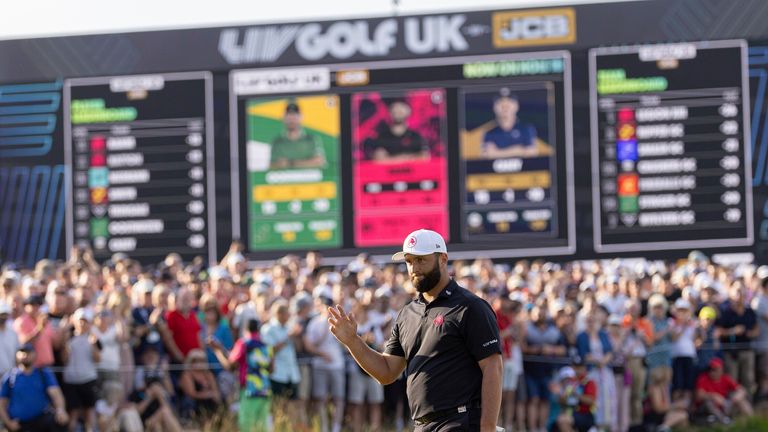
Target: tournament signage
557 131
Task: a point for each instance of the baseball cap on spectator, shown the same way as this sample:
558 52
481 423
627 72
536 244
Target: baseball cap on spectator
144 286
697 256
27 347
5 308
557 306
260 288
615 319
119 256
172 259
332 277
762 272
323 292
715 363
707 312
12 275
218 273
658 300
300 301
83 314
383 292
566 373
516 282
421 242
587 285
36 300
682 303
235 258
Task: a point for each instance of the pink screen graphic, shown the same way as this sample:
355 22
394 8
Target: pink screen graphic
400 170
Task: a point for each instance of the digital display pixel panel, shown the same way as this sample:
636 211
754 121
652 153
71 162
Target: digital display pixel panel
670 147
414 152
400 178
140 151
292 160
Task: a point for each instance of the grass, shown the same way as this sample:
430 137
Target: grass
752 424
225 420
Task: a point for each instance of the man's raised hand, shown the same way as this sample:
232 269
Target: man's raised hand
342 325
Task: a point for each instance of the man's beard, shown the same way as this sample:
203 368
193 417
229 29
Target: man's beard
429 281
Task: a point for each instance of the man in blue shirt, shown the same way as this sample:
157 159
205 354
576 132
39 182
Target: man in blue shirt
510 138
26 394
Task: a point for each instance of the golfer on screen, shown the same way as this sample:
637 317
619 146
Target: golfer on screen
446 340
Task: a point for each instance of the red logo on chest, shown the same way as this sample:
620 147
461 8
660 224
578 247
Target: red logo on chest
438 321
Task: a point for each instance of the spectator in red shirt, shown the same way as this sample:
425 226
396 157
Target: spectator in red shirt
578 398
182 322
510 330
719 394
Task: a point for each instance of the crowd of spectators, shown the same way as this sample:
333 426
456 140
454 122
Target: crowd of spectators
616 345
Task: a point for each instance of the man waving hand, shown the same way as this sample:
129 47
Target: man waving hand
446 340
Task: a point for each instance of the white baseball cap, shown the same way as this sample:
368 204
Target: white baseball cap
83 314
566 373
682 303
5 308
421 242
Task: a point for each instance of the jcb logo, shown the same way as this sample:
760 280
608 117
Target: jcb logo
534 27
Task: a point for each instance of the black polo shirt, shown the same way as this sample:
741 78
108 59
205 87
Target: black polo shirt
443 342
729 319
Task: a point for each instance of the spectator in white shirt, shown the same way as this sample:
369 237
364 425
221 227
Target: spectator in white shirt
613 299
327 366
9 341
683 335
285 376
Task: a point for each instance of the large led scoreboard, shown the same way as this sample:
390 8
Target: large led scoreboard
488 136
671 146
555 132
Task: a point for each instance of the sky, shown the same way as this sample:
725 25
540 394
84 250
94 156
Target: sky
35 18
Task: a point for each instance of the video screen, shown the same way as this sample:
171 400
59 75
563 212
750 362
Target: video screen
292 158
508 160
400 164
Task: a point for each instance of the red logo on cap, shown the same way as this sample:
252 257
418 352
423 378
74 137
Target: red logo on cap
411 241
438 321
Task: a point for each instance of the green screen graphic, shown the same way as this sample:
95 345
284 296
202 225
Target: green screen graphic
293 177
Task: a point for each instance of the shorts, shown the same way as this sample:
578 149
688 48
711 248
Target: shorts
537 387
81 396
328 382
363 388
762 363
521 394
253 414
511 376
305 385
583 422
683 374
288 391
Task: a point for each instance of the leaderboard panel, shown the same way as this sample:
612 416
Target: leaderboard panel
140 148
671 161
476 148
